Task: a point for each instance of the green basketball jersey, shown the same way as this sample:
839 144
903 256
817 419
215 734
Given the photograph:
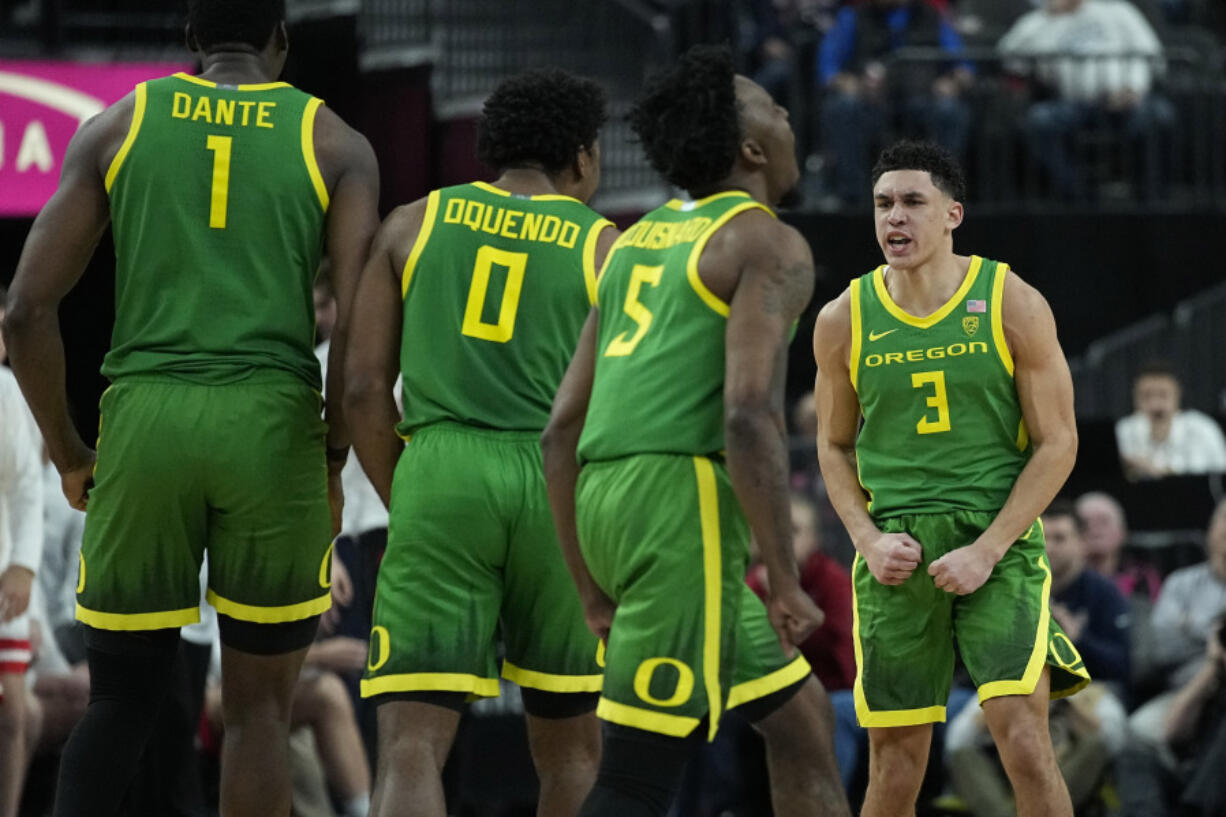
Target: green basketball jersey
496 290
943 427
659 381
218 210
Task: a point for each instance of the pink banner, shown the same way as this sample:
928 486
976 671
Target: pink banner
41 106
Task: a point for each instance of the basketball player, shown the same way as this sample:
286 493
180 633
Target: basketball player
222 190
480 291
968 433
674 403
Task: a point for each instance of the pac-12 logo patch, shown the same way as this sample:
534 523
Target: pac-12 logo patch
970 325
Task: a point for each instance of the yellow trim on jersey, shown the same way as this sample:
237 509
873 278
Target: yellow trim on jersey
677 726
785 676
883 294
1038 655
857 329
277 614
1023 435
138 621
498 191
712 576
691 267
998 322
590 273
138 115
678 204
430 682
867 717
308 151
423 235
549 682
259 86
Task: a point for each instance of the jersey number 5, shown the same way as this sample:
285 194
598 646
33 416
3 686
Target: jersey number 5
621 346
937 400
515 263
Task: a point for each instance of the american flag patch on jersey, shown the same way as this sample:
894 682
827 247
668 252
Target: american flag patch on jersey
976 306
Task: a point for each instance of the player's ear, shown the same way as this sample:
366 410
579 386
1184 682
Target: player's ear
282 36
752 152
189 38
953 216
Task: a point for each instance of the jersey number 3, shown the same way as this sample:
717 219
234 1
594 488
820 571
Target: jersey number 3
621 346
938 400
515 263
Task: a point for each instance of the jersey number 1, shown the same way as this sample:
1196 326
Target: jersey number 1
220 145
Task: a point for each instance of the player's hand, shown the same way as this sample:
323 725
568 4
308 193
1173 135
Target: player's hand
962 571
77 481
598 610
336 498
1072 623
892 557
792 614
15 583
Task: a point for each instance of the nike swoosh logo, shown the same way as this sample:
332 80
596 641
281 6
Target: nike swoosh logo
880 335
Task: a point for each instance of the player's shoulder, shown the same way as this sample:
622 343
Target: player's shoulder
835 315
758 230
1021 300
340 146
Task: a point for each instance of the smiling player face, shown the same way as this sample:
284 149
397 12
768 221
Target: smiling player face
914 218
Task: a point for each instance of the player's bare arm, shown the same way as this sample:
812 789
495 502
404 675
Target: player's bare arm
372 360
891 557
774 286
559 444
56 252
352 176
1045 391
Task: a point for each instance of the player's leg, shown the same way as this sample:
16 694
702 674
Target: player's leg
139 582
897 760
1020 729
437 601
550 652
269 532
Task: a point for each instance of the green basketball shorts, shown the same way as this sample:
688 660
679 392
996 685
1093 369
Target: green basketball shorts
665 538
905 634
471 546
237 470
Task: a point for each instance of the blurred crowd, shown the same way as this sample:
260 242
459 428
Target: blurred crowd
1087 97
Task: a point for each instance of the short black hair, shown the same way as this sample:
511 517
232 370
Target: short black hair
1061 506
935 160
542 117
688 119
1156 367
220 22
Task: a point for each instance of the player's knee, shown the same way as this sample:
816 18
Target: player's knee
897 762
1026 749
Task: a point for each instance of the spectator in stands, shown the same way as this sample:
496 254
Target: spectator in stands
1099 58
1105 530
1159 438
829 649
1088 730
1192 602
1196 730
863 94
21 543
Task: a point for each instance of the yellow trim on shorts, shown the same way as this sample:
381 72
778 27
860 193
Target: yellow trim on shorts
138 116
712 575
590 273
138 621
761 687
998 321
883 294
431 682
891 717
691 267
1038 655
549 682
857 330
423 235
308 151
677 726
279 614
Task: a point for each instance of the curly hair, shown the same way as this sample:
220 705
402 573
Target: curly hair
217 22
541 117
929 157
688 119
